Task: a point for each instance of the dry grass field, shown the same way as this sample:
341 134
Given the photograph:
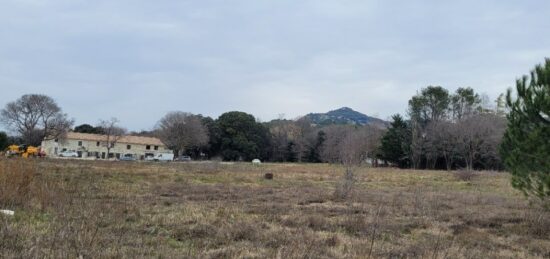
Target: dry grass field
92 209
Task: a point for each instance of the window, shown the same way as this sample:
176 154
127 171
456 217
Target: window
79 143
56 140
128 146
148 147
156 147
97 144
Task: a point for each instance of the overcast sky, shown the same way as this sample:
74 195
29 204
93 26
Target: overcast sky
137 59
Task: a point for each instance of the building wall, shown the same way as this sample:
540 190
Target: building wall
87 148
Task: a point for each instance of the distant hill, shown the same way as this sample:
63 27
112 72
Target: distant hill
345 115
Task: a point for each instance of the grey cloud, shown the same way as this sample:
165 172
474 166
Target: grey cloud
138 59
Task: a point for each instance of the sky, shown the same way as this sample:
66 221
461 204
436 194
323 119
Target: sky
136 60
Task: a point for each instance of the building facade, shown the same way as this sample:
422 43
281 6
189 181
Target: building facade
95 146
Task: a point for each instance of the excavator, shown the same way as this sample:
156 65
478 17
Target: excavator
23 151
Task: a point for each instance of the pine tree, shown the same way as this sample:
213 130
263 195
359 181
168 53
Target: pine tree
396 142
526 145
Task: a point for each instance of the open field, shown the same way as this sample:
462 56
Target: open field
67 209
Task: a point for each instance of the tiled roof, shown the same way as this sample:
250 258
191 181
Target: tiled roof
124 139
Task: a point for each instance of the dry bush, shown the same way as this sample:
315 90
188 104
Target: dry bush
356 225
465 175
538 219
345 186
316 222
241 231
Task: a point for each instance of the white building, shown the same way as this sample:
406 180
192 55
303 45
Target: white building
94 145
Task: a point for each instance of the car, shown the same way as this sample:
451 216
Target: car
184 158
68 153
127 157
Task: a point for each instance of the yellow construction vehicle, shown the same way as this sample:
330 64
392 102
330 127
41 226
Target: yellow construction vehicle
23 151
13 150
31 151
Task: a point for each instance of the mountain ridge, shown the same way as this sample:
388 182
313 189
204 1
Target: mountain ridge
345 115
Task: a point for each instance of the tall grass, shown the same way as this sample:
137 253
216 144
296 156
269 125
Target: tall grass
16 182
82 209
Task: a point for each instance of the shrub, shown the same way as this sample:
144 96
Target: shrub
465 175
345 187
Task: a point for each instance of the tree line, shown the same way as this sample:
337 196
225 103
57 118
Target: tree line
238 136
233 136
441 130
446 131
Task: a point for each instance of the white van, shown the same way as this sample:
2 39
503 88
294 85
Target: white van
160 157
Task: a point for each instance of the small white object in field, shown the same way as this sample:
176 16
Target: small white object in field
256 162
8 212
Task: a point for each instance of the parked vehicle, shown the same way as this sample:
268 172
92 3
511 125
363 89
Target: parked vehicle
127 157
184 158
68 153
160 157
24 151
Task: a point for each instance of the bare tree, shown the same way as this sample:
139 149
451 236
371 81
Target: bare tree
112 133
351 150
441 142
418 142
35 117
286 140
354 145
350 145
182 130
478 138
335 135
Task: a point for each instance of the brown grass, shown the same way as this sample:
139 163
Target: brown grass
67 209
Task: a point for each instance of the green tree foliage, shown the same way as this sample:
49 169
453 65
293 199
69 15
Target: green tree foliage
396 142
3 140
464 102
430 105
214 137
526 145
241 137
291 154
87 128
